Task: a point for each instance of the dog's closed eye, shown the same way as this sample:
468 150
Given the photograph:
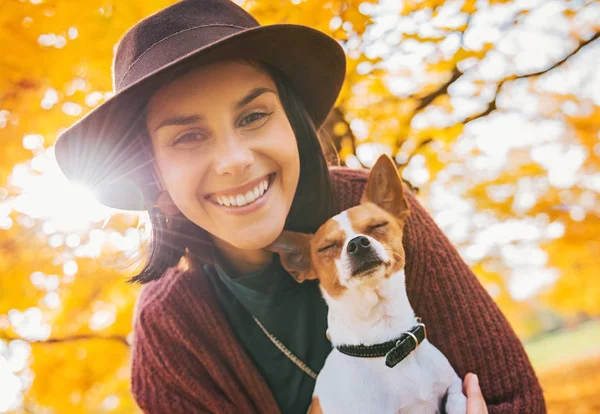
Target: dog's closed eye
376 226
327 247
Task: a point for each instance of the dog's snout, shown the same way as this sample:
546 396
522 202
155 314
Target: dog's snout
358 246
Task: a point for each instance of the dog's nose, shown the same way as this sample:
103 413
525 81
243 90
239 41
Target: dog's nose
358 246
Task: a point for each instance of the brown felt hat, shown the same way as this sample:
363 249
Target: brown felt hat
104 150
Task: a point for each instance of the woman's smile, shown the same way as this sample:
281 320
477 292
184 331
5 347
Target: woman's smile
246 198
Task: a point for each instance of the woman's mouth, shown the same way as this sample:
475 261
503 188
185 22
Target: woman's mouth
249 194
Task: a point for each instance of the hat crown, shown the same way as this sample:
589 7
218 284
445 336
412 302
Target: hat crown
182 16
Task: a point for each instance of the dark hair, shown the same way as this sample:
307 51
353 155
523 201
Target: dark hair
314 201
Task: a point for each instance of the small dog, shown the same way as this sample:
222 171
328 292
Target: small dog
382 361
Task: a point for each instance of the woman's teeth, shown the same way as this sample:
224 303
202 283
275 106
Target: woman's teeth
240 200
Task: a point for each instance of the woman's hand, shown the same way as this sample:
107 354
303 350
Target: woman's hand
475 401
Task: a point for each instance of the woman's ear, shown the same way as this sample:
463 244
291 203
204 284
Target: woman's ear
159 177
165 203
294 250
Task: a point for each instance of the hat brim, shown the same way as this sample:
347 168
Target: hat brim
102 150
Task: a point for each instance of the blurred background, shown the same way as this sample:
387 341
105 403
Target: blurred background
490 107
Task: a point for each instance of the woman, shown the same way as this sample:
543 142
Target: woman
213 129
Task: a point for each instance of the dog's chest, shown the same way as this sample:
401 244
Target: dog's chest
348 384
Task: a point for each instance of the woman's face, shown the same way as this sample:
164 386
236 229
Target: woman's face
226 152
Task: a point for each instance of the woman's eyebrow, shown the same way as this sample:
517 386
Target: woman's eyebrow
190 119
254 93
179 120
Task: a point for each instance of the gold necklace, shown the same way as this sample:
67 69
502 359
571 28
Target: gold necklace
286 351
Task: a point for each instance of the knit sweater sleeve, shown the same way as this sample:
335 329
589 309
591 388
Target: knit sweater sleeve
163 379
156 382
180 362
463 321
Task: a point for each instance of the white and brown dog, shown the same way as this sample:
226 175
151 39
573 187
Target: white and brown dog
382 361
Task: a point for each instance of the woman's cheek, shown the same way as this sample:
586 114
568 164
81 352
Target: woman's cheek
184 179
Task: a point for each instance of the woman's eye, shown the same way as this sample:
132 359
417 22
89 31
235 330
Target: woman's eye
189 137
253 117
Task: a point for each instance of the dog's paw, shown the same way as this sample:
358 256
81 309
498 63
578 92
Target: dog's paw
456 404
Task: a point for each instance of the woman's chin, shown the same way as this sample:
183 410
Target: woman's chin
255 240
254 237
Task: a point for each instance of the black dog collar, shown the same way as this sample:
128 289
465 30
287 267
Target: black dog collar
394 351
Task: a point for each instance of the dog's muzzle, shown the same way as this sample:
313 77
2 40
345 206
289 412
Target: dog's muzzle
362 255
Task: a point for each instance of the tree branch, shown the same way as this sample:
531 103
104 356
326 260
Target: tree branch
491 107
335 117
427 99
581 45
492 104
456 74
70 338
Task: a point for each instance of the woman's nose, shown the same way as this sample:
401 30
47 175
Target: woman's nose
233 157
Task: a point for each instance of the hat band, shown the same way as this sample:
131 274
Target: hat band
173 48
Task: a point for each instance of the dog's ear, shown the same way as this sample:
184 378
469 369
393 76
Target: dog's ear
294 250
384 188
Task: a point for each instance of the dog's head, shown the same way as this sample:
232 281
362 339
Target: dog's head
358 246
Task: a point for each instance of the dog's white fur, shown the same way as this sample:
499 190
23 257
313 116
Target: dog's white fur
377 310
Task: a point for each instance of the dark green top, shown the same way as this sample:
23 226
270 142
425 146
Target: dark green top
295 313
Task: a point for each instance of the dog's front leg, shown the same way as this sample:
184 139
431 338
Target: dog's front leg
456 402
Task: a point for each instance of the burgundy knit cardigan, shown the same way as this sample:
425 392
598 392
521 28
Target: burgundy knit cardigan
186 358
